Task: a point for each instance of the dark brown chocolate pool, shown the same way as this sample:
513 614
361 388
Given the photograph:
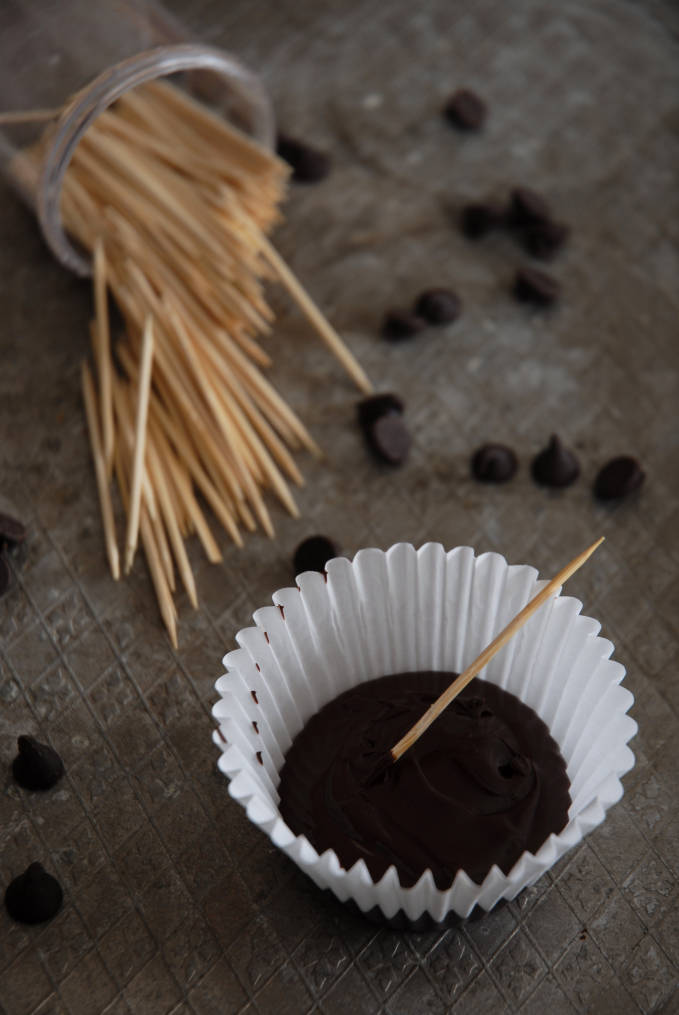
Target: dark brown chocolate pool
484 783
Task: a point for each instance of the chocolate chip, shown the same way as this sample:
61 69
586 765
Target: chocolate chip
555 465
533 286
390 439
401 324
618 478
527 208
494 463
12 531
308 164
36 766
5 576
438 306
464 109
371 408
478 219
544 239
33 897
313 554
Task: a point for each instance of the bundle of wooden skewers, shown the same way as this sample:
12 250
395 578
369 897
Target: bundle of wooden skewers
175 206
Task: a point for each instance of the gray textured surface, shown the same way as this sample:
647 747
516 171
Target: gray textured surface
173 903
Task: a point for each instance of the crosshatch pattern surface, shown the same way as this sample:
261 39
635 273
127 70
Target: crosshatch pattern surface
173 903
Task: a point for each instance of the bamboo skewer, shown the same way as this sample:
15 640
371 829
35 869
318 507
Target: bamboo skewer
171 524
100 469
322 326
156 570
158 577
183 486
124 410
139 444
203 482
127 429
28 116
223 411
103 354
175 206
191 449
451 692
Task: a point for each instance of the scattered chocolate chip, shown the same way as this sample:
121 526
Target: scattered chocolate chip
494 463
544 239
313 554
5 576
618 478
464 109
33 897
401 324
479 218
526 208
309 165
390 439
533 286
12 531
555 465
438 306
371 408
258 755
254 693
36 766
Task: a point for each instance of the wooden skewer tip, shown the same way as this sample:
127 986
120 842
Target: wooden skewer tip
139 443
460 682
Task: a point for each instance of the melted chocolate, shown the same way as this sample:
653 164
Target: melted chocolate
484 783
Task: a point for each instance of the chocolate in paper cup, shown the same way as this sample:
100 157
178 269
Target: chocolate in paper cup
408 610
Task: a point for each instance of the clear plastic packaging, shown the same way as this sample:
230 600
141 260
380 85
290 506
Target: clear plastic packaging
74 58
407 610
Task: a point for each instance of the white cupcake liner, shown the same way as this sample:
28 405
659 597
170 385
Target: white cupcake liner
424 609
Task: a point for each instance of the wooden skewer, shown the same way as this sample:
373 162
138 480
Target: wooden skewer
100 470
254 414
158 574
206 124
191 410
442 702
192 449
175 204
211 494
28 115
183 487
139 444
104 353
125 411
127 430
170 517
167 608
237 423
316 318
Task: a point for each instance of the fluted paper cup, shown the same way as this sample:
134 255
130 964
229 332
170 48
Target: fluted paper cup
407 610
